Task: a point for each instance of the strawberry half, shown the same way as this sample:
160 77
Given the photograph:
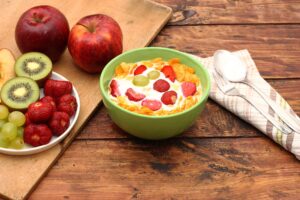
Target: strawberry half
39 112
133 95
68 104
59 123
169 72
50 100
152 104
56 88
114 88
139 70
169 98
37 134
188 88
161 85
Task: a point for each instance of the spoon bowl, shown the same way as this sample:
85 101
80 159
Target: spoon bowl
229 66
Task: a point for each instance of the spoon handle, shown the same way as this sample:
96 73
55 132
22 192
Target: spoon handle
280 126
292 121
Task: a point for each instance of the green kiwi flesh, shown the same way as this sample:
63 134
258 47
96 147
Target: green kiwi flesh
34 65
18 93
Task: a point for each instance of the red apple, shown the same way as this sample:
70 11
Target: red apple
43 29
94 41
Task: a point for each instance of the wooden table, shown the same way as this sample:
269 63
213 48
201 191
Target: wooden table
220 157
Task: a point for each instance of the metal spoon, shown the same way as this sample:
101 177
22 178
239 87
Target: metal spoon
233 69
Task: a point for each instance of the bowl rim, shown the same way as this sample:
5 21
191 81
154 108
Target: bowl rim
204 96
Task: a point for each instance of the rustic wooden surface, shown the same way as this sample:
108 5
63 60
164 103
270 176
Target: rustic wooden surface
220 157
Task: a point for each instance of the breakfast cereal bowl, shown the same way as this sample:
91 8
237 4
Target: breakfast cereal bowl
131 109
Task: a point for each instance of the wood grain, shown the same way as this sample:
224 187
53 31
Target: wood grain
173 169
215 121
220 157
275 48
197 12
144 17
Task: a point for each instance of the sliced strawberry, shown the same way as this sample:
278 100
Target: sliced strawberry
169 97
114 88
161 85
133 95
152 104
37 134
49 99
67 104
140 69
59 123
169 72
40 112
188 88
57 88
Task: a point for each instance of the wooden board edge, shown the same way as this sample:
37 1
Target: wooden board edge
163 23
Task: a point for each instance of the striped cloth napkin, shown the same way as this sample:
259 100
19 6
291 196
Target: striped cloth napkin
244 110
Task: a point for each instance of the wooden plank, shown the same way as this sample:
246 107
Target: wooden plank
215 121
144 17
275 48
249 168
233 12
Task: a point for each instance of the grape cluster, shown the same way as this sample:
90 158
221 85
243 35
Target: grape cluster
11 128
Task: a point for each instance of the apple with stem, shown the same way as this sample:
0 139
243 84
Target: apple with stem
43 29
94 41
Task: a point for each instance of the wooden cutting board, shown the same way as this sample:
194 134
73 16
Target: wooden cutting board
140 21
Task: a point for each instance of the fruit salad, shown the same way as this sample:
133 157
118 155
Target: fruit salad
155 87
25 118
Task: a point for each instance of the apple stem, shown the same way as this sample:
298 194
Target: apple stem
37 18
91 28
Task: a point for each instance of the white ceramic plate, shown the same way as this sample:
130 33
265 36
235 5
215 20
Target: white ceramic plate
27 149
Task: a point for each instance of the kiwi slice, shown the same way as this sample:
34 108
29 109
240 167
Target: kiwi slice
19 92
34 65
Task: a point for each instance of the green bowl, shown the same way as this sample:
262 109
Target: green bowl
153 127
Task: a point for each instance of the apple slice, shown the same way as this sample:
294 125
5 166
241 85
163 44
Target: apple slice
7 62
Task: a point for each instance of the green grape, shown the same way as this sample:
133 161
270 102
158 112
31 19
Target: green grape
153 75
17 143
140 80
9 131
3 143
3 112
2 121
20 132
17 118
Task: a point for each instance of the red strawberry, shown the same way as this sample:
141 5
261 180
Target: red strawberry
152 104
114 88
37 134
56 89
68 104
188 88
140 69
161 85
39 112
27 122
169 97
169 72
133 95
49 99
59 123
